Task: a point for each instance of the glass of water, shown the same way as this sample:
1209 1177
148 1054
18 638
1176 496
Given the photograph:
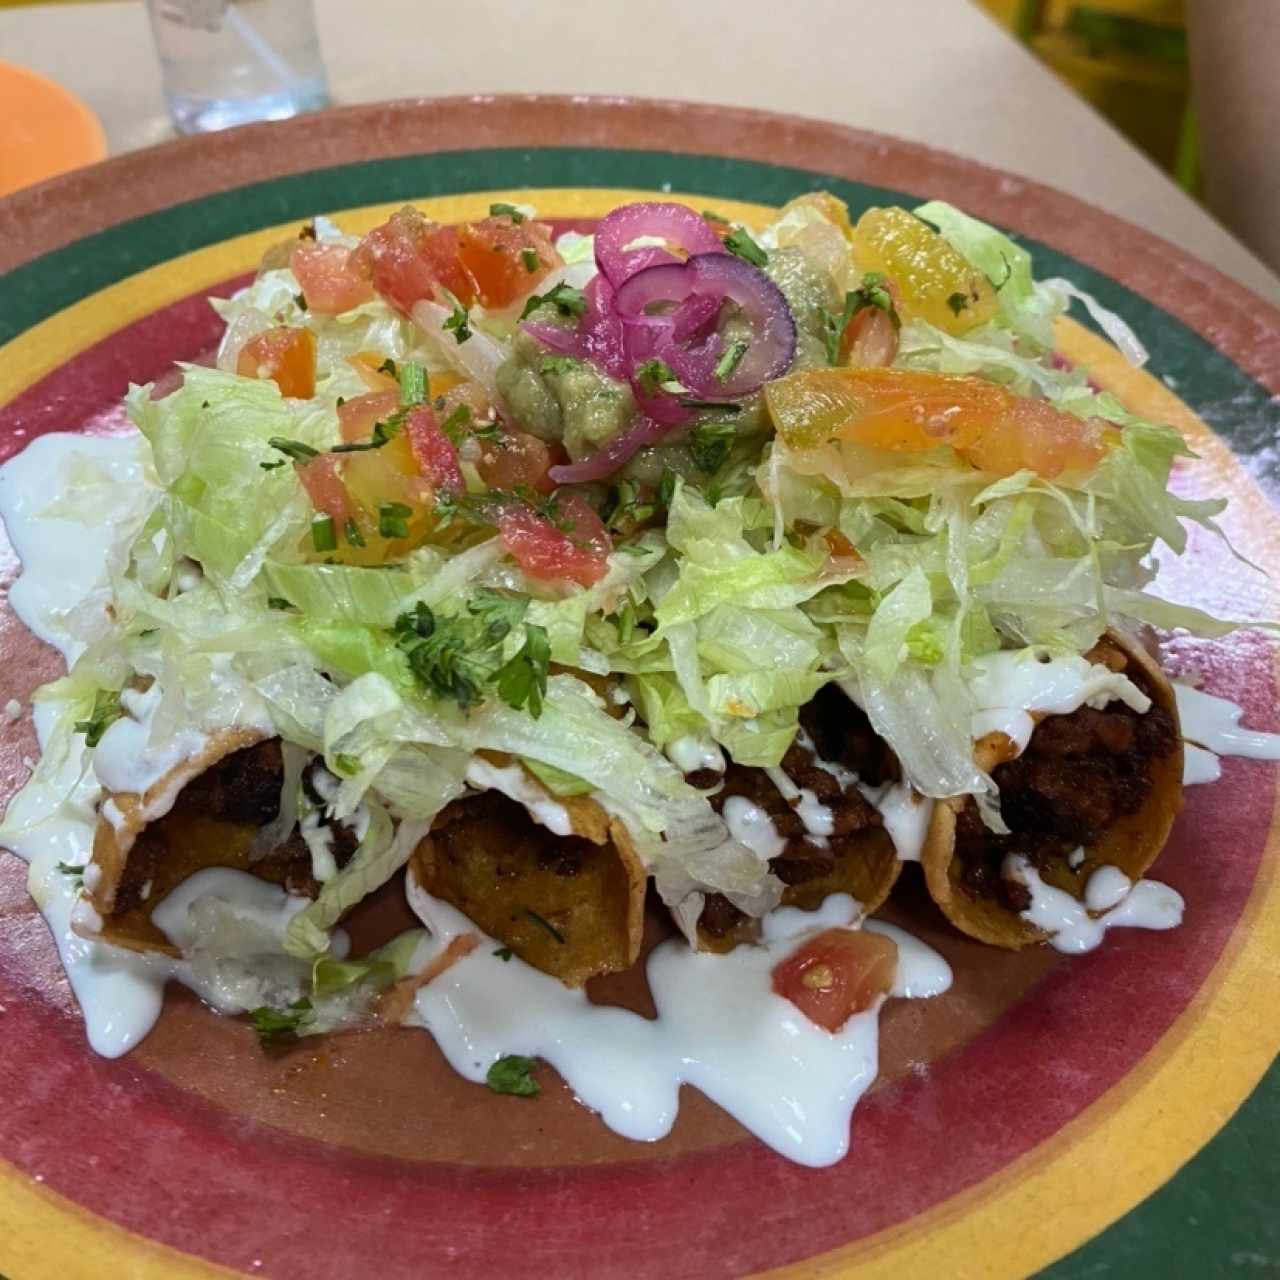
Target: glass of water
228 62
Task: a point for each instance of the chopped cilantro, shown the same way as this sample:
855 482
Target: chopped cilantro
393 519
278 602
567 300
502 210
351 531
545 924
741 243
667 486
873 293
458 323
712 216
957 302
504 954
323 535
560 364
456 656
106 711
731 359
654 375
511 1074
307 231
295 449
530 259
72 870
271 466
389 366
522 679
456 423
710 442
300 301
386 429
276 1025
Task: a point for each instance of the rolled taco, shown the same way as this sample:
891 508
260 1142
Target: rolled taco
1099 786
555 879
810 818
209 810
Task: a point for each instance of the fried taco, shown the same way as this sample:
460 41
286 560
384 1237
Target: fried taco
809 818
1099 786
212 809
555 879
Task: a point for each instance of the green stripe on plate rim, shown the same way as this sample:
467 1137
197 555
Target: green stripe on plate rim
1198 1223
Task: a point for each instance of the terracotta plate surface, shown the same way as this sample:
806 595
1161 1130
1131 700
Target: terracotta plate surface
1015 1119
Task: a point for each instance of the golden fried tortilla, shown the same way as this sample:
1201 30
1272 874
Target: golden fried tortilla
1129 773
572 906
203 813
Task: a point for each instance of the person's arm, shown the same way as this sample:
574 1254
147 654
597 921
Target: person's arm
1235 66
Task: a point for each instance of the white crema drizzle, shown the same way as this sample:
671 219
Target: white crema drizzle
720 1028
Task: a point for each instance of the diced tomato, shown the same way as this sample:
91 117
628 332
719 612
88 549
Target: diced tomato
284 354
519 458
357 416
433 451
409 258
368 366
575 547
870 339
330 284
505 259
837 974
322 479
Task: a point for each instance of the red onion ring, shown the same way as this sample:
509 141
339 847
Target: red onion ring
679 226
717 277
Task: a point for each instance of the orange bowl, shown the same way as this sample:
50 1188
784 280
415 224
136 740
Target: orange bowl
44 129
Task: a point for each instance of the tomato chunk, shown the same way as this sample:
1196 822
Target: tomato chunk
518 458
409 258
574 546
358 416
285 355
433 451
837 974
504 259
329 282
322 479
906 411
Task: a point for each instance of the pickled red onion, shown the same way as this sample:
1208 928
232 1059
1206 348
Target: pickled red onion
678 226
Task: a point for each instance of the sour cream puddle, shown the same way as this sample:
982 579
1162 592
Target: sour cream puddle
720 1028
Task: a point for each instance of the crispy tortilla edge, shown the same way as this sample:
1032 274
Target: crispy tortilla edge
1132 843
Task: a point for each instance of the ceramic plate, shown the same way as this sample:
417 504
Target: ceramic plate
1041 1101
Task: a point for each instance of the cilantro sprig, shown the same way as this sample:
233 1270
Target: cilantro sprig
567 300
458 657
277 1026
873 293
512 1074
